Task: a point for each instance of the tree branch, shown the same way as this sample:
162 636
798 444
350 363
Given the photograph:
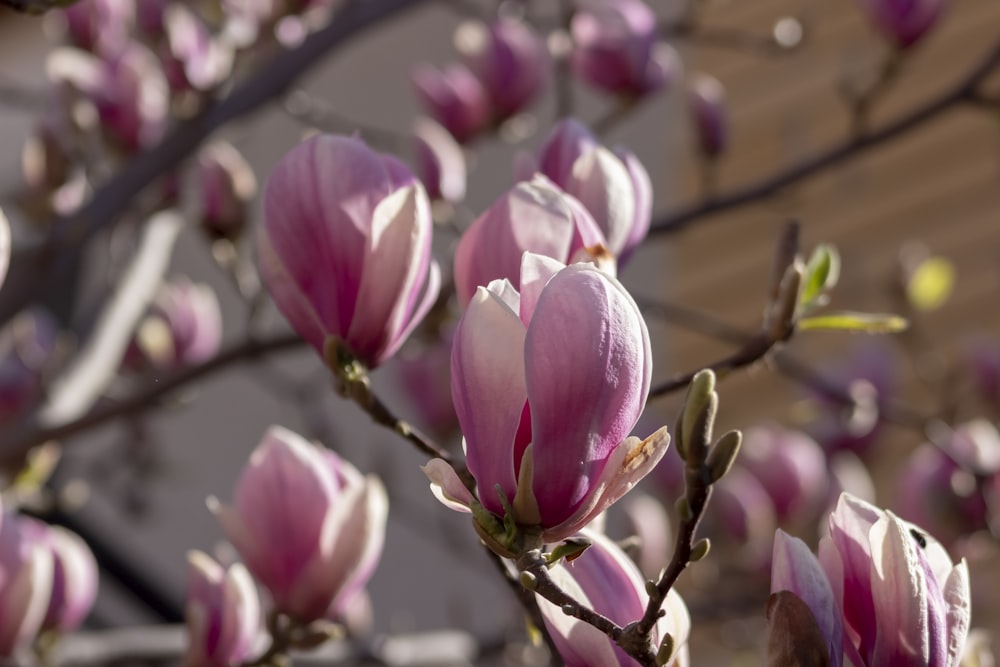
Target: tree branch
963 93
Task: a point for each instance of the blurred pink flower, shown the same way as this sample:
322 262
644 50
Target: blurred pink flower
707 99
533 217
308 525
903 22
617 48
454 97
613 186
438 161
26 585
222 613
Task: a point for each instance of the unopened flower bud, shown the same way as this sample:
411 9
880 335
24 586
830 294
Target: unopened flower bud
707 99
222 611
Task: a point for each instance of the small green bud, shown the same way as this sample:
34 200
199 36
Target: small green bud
651 588
699 550
684 509
693 416
723 454
569 549
568 609
529 581
666 650
700 434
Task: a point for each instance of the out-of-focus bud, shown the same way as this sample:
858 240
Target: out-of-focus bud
345 249
509 59
904 600
530 217
330 519
794 568
439 161
982 356
560 457
99 26
4 246
903 23
425 373
741 515
605 580
791 466
938 489
149 16
453 97
222 612
27 346
867 373
193 58
613 186
707 99
74 575
128 90
617 48
228 186
184 326
27 583
649 521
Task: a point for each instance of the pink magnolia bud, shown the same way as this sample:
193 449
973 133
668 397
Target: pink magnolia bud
794 568
439 161
193 58
308 525
222 612
228 185
560 456
74 575
617 48
790 465
532 217
604 579
345 249
4 247
509 59
127 89
26 587
99 26
614 188
453 97
425 374
27 346
904 601
741 518
184 326
707 99
903 22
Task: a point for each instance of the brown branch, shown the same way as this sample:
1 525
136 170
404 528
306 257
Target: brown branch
965 92
755 349
12 451
52 259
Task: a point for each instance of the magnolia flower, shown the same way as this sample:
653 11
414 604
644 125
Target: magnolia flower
439 161
891 594
903 22
605 580
617 48
547 385
99 26
74 575
308 525
509 59
530 217
454 97
345 249
26 586
613 186
790 465
222 613
183 327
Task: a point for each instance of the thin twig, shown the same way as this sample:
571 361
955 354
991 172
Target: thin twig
965 92
12 451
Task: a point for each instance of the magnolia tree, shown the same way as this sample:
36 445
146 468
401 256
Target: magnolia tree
528 359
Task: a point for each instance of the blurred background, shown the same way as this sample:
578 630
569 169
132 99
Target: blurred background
136 488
